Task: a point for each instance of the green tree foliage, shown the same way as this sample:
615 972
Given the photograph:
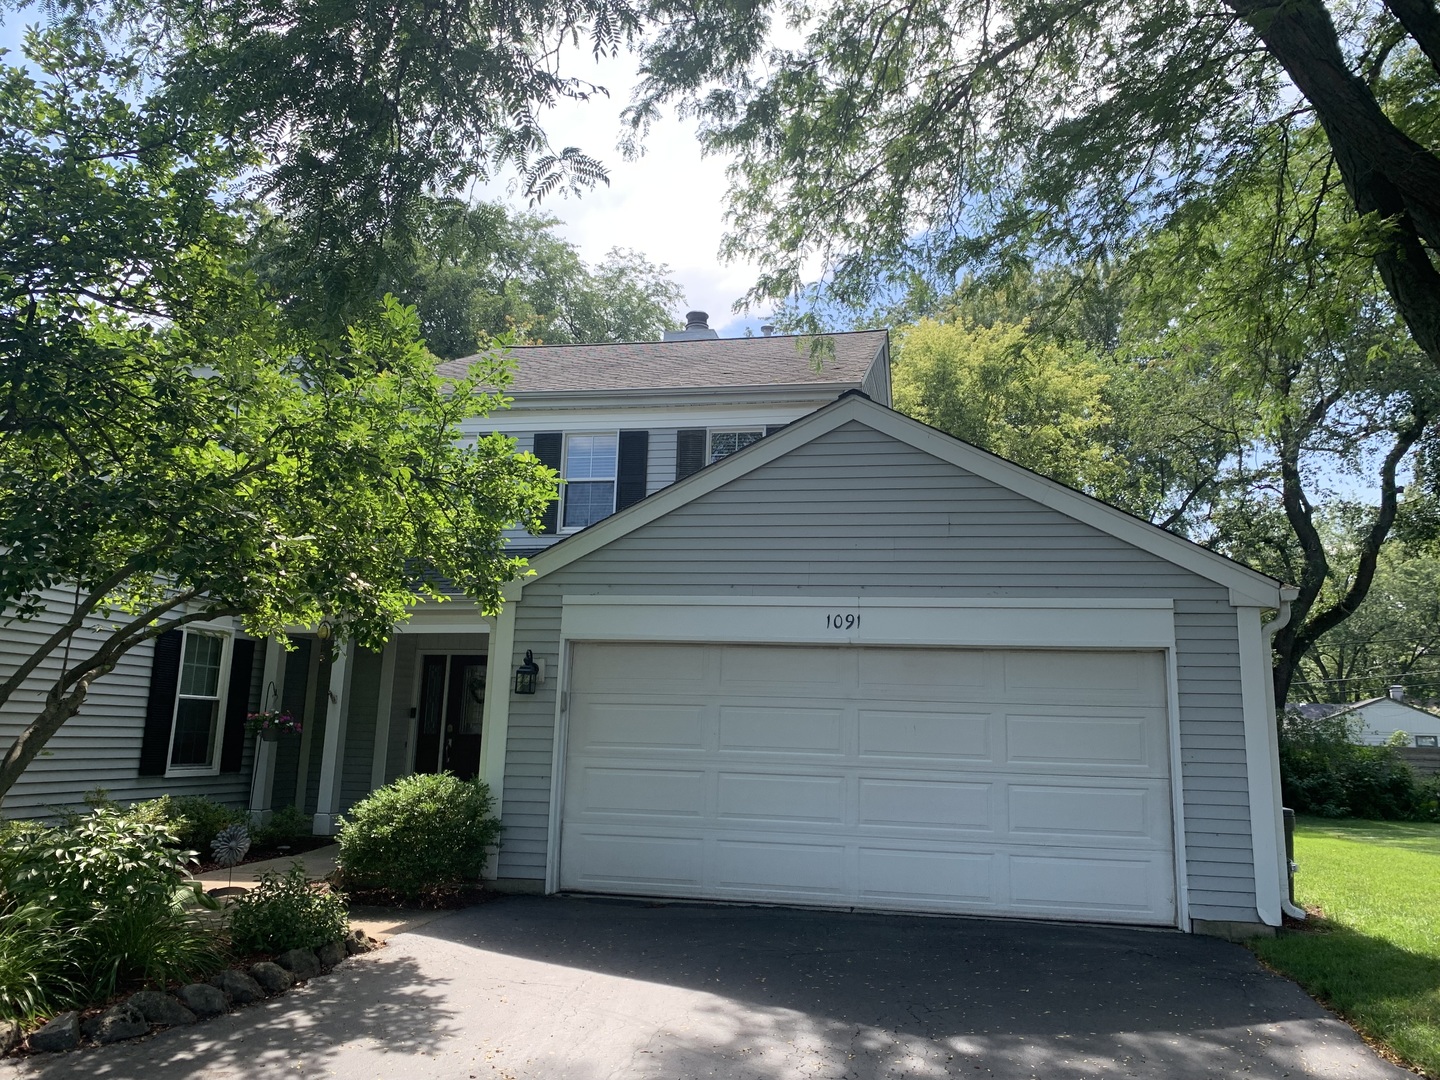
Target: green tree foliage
1270 298
359 110
1018 395
476 272
949 135
1393 637
174 448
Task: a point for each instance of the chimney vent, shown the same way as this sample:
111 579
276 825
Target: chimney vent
768 329
1397 693
697 327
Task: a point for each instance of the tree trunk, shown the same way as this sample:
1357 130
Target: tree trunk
1385 171
59 707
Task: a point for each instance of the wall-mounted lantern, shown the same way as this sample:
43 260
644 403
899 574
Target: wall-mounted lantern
527 674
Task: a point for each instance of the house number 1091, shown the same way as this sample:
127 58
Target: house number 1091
842 622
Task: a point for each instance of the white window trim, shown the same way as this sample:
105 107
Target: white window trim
560 527
227 652
710 434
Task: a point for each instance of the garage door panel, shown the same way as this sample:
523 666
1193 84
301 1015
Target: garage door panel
617 668
1082 740
900 878
957 736
745 667
609 860
601 790
927 804
761 729
1127 888
1108 813
635 726
968 793
795 868
946 671
781 798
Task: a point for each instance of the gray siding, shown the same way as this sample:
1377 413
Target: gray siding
99 747
855 511
877 381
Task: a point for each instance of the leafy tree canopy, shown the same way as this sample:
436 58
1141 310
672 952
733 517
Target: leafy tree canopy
942 136
173 446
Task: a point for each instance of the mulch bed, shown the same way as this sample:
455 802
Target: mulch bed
444 898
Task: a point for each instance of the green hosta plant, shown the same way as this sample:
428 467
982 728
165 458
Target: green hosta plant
287 912
420 833
116 892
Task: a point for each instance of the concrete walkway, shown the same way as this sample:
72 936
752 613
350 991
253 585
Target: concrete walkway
379 922
318 864
531 988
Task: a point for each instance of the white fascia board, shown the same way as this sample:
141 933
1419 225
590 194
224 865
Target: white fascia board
457 616
1249 586
617 415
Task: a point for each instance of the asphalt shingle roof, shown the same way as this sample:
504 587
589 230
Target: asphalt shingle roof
781 360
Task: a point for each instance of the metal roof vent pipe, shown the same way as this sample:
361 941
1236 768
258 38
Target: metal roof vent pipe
697 327
1397 693
768 329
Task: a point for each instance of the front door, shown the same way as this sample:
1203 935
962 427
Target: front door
452 700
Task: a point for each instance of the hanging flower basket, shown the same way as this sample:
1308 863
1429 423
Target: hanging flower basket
271 725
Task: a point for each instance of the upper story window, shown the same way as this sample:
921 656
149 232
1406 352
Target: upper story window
725 443
195 733
1426 740
591 466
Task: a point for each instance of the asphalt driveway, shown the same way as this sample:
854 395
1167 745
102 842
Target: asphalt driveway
587 989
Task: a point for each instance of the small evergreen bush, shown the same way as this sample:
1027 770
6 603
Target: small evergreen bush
194 819
418 834
287 912
1324 772
288 825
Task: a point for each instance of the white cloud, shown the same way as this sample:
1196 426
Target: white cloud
669 204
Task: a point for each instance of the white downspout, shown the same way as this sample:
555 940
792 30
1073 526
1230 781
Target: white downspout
1287 594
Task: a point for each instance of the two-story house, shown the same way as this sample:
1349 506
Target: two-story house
781 643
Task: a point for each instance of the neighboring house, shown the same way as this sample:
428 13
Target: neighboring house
1378 719
792 646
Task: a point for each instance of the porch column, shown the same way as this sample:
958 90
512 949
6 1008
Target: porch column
327 804
262 773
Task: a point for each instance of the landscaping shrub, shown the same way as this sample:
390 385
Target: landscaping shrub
288 826
1323 772
35 964
193 819
420 833
287 912
111 895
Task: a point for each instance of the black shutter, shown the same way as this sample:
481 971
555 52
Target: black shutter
689 451
237 704
549 448
774 428
634 465
160 707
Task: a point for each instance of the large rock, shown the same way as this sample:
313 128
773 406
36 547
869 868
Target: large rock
160 1008
273 978
239 987
356 942
62 1033
330 954
302 963
122 1021
204 1001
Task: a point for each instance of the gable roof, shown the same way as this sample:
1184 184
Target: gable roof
1382 700
781 360
1247 586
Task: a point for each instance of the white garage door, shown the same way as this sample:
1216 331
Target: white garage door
959 780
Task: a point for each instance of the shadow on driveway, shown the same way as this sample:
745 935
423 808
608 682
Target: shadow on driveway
526 987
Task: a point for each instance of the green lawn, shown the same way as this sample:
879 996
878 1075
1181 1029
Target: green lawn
1375 956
